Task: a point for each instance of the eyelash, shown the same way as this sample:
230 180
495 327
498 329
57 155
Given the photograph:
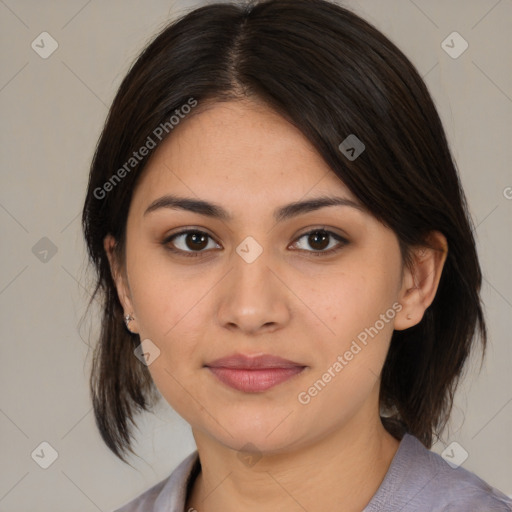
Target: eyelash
194 254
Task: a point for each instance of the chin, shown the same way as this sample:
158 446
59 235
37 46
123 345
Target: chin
258 438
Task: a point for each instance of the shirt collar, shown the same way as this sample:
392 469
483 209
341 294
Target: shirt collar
173 497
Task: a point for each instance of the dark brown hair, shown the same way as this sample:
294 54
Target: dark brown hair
331 74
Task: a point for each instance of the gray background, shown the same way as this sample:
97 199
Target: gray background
52 114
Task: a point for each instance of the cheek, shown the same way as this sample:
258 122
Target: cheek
171 314
353 300
357 312
163 295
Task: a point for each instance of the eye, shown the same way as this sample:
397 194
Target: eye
192 242
318 239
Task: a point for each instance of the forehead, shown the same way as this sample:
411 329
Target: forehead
237 149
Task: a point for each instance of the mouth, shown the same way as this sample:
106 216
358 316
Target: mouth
254 374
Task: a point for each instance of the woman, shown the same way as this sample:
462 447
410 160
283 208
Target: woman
285 255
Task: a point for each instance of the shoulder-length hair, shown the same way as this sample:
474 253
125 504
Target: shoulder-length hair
331 74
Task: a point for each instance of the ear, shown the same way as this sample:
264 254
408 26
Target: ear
121 281
420 282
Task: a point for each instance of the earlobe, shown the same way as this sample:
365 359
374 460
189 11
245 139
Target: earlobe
421 282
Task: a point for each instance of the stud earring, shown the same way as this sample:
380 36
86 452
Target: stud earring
127 319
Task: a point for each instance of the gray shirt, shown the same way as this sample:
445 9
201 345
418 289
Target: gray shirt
417 480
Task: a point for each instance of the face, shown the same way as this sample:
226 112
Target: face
318 287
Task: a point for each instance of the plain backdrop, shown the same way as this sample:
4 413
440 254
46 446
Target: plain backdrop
52 112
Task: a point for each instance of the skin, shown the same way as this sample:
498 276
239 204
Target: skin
333 452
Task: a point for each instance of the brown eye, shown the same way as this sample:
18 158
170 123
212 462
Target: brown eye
189 243
196 240
319 240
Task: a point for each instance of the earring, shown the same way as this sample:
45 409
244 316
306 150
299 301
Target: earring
408 317
127 319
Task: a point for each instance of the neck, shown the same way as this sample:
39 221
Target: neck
341 471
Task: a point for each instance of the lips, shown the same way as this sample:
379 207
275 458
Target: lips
253 374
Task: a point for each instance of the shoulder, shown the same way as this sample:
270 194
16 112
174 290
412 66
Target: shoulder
145 501
169 494
420 480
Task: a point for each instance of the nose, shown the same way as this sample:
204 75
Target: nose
253 298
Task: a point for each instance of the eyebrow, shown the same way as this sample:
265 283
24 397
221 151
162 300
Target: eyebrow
218 212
